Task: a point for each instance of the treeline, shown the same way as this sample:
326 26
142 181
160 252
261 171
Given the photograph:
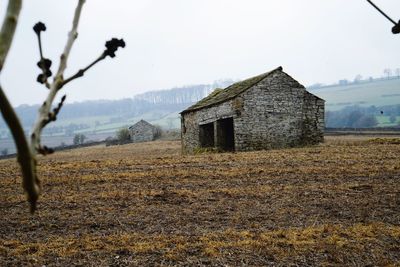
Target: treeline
360 117
186 94
389 74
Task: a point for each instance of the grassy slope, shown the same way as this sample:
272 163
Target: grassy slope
145 204
385 122
378 93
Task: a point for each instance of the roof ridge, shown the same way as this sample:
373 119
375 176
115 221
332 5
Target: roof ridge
141 121
263 75
230 91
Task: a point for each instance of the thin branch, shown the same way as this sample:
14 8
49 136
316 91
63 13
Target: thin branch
111 47
81 72
383 13
41 53
26 159
8 28
71 38
40 45
44 64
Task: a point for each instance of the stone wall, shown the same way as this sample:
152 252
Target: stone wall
271 118
313 119
277 112
190 123
142 132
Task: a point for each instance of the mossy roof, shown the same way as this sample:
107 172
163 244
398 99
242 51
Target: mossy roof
141 122
221 95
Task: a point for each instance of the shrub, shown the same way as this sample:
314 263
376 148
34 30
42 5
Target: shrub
79 139
158 132
123 135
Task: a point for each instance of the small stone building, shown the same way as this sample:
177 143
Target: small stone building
268 111
142 131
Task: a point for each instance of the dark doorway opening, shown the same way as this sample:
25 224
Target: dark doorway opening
225 134
207 135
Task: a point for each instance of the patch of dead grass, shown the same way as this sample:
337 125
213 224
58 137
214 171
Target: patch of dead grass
145 204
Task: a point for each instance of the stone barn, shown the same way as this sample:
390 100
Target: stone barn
142 131
268 111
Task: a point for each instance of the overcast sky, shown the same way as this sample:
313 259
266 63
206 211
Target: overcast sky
182 42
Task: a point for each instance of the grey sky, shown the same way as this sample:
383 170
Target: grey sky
180 42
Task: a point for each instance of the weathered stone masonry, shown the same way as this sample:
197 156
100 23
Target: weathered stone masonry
268 111
142 131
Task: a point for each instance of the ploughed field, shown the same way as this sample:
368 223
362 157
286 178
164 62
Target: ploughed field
146 204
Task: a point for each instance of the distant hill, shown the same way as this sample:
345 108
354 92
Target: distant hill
365 93
162 106
102 118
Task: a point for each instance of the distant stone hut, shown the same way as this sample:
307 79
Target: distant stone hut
268 111
142 131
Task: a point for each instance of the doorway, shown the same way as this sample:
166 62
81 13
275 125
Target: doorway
207 135
225 134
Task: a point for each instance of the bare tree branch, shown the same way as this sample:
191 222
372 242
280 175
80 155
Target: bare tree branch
45 114
27 152
111 47
381 11
44 64
81 72
71 39
26 159
8 28
396 27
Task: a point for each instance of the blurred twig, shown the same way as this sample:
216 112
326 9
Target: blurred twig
396 27
25 157
383 13
8 28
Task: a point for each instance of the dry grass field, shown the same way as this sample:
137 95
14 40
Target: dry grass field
337 204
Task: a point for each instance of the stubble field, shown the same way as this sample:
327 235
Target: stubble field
145 204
